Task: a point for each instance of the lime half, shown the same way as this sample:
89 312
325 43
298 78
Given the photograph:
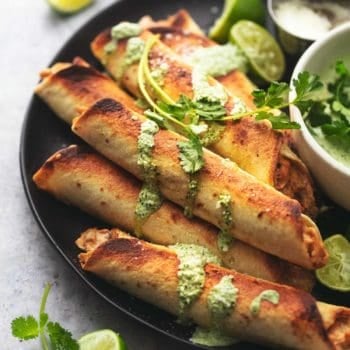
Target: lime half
336 274
68 7
233 11
102 340
263 52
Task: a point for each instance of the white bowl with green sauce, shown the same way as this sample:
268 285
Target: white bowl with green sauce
329 165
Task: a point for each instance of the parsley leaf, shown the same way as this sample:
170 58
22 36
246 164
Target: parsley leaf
191 154
25 328
60 338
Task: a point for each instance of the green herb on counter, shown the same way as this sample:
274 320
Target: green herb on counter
52 335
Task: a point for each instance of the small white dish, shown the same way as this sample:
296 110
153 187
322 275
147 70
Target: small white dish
332 176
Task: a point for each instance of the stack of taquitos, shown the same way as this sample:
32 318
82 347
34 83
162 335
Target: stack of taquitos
65 85
255 147
262 216
334 317
150 272
80 177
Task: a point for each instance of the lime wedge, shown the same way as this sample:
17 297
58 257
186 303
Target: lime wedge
336 274
68 7
233 11
263 52
102 340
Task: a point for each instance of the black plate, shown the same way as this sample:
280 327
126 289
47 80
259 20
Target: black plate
43 134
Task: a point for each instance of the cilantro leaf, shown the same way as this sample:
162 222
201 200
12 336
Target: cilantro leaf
191 154
25 328
60 338
280 121
341 68
318 115
305 84
275 96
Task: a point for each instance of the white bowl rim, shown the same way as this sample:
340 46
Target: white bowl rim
305 58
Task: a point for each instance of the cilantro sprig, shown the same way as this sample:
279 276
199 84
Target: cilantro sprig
331 115
52 335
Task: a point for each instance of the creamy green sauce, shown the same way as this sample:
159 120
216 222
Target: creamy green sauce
211 337
334 146
202 89
218 60
193 187
133 53
191 274
120 31
125 30
159 72
149 199
222 298
269 295
225 238
214 61
213 134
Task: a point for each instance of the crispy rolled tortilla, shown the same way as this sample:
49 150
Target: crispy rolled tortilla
254 146
262 216
149 272
80 177
70 88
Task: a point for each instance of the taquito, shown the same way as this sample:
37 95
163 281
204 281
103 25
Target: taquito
70 88
150 272
78 176
262 216
254 146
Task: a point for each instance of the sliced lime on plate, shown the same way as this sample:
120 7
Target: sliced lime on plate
68 7
336 274
104 339
233 11
263 52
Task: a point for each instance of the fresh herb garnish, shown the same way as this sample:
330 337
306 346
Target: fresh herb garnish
331 115
52 335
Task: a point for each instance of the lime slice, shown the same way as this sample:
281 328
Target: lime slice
68 6
263 52
102 340
233 11
336 274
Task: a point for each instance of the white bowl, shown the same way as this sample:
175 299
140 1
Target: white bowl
332 176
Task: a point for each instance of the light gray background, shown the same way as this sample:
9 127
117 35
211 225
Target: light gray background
30 34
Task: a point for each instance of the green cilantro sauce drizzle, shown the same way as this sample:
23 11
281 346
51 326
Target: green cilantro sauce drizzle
191 274
269 295
149 199
225 238
221 300
211 337
193 187
214 61
133 53
121 31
